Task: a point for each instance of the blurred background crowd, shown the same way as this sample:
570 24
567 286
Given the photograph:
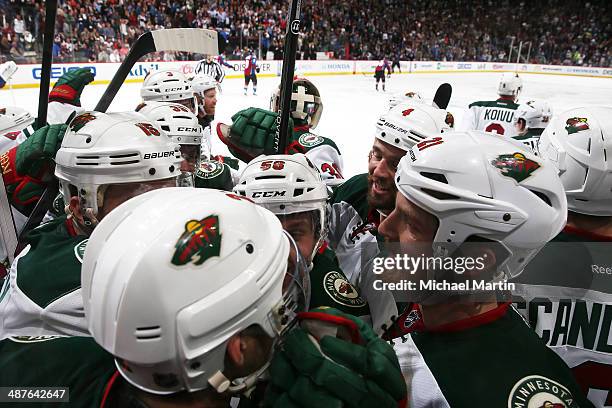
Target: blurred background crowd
557 32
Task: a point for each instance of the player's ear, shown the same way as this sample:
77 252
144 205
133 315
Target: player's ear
235 350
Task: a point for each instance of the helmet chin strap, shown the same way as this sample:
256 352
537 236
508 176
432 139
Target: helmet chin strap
222 384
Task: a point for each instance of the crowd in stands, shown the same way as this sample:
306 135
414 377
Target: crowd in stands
553 31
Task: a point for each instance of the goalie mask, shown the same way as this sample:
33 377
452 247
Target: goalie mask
306 103
579 143
202 266
169 86
287 185
101 149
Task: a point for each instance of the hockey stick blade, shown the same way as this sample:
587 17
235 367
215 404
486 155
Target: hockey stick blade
197 40
443 95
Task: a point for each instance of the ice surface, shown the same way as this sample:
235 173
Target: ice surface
352 105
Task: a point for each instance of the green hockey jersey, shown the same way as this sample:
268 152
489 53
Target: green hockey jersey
77 363
42 293
490 360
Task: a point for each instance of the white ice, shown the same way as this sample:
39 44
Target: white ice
352 106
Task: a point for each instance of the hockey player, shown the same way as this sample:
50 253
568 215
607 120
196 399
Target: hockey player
250 72
530 120
205 90
7 70
221 59
292 188
358 206
496 116
182 127
104 160
168 86
241 285
498 211
566 292
321 151
379 72
211 68
306 110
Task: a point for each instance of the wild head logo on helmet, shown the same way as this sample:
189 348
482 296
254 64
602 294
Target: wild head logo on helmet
200 241
515 166
81 120
575 125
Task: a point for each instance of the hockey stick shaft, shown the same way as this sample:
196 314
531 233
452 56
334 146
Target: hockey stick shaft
176 39
282 123
45 78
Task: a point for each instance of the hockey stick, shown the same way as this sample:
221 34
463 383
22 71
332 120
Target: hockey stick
45 77
197 40
9 231
442 96
43 102
286 87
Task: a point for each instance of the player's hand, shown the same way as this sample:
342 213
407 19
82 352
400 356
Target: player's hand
214 174
257 69
28 166
251 133
335 372
35 155
69 87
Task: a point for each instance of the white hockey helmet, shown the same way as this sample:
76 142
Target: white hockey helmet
410 123
536 114
487 186
286 184
306 102
179 123
168 85
13 118
202 83
579 143
409 96
510 84
214 263
100 149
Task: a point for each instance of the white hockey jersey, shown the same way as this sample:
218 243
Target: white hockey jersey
491 116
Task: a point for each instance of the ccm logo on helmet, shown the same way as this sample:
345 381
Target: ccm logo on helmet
268 194
175 89
187 129
158 155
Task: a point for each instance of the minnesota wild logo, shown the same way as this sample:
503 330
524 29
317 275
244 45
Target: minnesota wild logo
541 392
310 140
81 120
209 169
200 241
339 289
575 125
515 166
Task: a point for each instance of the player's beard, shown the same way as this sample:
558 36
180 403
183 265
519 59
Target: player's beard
381 200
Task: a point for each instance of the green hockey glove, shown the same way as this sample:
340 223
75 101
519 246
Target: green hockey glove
357 370
69 87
